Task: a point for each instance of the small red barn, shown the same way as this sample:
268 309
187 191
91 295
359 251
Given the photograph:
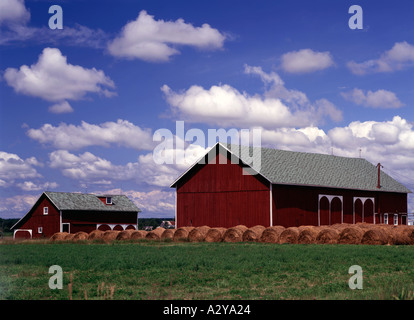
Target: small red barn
73 212
289 189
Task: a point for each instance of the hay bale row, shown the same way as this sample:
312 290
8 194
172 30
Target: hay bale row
360 233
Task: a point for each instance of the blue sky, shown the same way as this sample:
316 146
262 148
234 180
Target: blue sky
79 106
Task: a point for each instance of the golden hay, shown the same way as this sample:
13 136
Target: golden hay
215 235
139 234
79 236
110 235
272 234
351 235
124 235
182 233
375 236
168 234
327 235
308 234
69 236
95 234
198 234
59 236
253 233
234 234
289 235
155 234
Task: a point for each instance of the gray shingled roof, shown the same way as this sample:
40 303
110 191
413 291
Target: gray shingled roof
81 201
312 169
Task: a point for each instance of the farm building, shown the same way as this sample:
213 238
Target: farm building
73 212
289 189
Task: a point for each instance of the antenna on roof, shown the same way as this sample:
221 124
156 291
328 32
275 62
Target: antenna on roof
360 152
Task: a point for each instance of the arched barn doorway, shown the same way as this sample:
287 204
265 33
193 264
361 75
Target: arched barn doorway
358 207
23 234
369 211
130 227
330 209
323 211
336 211
104 227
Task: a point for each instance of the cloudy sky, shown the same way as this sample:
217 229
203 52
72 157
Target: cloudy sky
81 107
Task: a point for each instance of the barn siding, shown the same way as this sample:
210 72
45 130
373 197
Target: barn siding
298 205
50 222
217 194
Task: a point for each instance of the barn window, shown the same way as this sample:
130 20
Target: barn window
45 210
108 200
40 230
385 218
395 219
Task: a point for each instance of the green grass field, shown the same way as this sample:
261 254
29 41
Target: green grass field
169 270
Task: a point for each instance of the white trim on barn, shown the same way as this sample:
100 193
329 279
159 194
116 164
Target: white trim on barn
113 225
363 200
330 199
28 230
271 206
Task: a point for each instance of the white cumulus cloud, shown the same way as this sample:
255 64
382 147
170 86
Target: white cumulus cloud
306 61
71 137
156 40
399 57
52 78
376 99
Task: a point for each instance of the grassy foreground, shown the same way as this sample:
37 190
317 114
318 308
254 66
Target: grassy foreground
169 270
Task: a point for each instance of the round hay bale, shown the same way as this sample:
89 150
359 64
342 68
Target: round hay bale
79 236
181 234
272 234
401 235
289 235
215 235
95 234
364 225
168 234
110 235
124 235
327 235
351 235
308 235
155 234
375 236
340 226
234 234
253 233
69 236
198 234
138 234
59 236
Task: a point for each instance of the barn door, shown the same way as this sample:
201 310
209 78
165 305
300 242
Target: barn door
324 211
358 210
369 211
336 211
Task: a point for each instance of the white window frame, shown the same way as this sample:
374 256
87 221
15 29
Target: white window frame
39 229
395 219
110 200
385 218
45 210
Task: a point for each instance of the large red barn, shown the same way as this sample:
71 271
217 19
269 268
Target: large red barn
290 189
73 212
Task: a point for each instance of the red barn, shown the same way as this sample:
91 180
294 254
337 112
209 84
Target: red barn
73 212
289 189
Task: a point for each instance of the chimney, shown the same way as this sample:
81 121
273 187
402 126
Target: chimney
379 174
